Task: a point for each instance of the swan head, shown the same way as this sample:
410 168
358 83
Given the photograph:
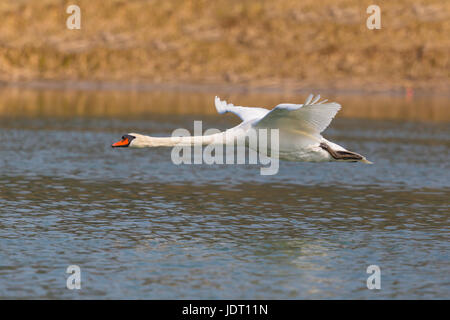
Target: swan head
127 141
134 140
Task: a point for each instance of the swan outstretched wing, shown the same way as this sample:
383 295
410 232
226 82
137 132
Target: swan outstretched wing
245 113
310 118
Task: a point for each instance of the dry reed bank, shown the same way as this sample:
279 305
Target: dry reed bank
287 44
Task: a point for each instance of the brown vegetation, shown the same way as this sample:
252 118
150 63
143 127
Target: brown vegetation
284 43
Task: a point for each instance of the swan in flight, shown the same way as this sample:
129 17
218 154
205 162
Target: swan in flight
299 126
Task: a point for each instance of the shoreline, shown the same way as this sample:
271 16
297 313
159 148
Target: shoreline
267 87
138 99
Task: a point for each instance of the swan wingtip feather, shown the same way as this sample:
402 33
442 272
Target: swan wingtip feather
220 105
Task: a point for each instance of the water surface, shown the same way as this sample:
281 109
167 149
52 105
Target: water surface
141 227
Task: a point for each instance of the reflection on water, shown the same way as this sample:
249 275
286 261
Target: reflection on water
18 102
141 227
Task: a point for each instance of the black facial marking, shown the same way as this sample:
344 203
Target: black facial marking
129 137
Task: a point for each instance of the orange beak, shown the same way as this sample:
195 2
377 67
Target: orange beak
121 143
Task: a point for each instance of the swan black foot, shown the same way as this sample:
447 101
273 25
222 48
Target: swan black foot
341 155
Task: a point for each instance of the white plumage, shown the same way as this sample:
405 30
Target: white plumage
300 127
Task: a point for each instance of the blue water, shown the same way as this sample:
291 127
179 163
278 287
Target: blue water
141 227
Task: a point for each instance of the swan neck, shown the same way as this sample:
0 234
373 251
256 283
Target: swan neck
148 141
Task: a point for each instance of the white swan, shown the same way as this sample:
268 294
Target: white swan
300 127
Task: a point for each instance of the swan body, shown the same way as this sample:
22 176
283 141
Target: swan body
299 128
